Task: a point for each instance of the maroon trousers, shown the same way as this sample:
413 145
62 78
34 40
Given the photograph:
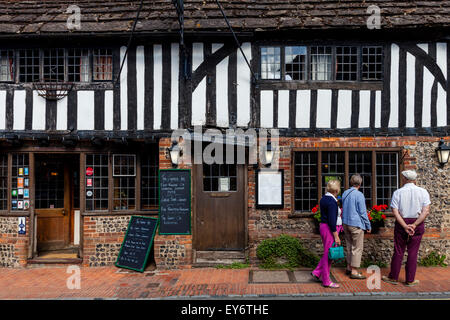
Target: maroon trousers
403 241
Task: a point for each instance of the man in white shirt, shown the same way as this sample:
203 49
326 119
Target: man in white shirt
410 206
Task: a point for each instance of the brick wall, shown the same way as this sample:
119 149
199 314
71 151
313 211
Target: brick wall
172 251
13 247
103 235
418 154
102 238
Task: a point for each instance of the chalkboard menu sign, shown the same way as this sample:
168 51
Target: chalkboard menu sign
175 201
137 243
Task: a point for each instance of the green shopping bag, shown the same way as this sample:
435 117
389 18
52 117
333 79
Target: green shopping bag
336 252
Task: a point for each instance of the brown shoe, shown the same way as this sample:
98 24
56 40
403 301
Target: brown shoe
412 284
389 280
357 276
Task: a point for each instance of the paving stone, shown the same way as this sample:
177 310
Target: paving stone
304 277
270 277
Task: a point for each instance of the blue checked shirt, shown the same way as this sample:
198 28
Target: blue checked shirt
354 209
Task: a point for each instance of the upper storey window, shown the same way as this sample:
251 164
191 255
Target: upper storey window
270 63
56 64
322 63
295 63
102 64
6 65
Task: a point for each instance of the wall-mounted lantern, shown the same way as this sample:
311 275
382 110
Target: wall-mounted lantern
175 153
443 153
268 154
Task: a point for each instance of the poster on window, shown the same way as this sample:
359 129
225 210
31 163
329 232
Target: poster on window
269 189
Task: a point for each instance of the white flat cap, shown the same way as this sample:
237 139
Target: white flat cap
410 175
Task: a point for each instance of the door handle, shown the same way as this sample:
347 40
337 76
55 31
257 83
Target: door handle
64 212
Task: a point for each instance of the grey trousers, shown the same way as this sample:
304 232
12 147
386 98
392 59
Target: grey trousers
354 239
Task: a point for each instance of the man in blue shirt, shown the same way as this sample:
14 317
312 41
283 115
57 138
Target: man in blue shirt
355 221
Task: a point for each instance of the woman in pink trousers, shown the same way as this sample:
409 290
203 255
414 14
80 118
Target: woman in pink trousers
330 226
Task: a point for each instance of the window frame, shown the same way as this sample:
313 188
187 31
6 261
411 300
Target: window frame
14 63
346 171
66 50
359 47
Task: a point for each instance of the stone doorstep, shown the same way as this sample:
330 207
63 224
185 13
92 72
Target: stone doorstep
215 258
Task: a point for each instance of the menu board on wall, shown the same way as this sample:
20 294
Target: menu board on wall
175 201
137 243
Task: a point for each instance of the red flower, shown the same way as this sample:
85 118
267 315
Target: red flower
383 216
370 217
314 210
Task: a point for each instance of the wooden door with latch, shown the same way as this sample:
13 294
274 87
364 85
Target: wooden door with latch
52 203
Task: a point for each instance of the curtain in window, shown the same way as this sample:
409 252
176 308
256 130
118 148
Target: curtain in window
103 68
84 67
6 68
321 67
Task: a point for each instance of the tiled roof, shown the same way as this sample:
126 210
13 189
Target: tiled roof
49 16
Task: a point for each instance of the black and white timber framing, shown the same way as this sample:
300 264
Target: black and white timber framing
152 96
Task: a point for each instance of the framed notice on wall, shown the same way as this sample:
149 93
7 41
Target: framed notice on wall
269 189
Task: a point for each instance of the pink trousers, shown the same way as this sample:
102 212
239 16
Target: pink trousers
323 268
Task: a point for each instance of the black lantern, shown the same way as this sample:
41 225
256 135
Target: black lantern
443 153
175 153
268 154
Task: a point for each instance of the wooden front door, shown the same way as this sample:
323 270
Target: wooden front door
219 207
52 202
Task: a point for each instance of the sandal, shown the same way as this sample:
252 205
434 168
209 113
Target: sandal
411 284
389 280
357 276
315 277
332 286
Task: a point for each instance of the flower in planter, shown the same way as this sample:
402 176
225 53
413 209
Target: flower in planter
376 213
316 211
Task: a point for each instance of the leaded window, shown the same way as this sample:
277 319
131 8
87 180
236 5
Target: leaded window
78 65
305 176
270 63
6 65
387 176
102 64
53 65
321 63
313 169
347 63
372 63
295 63
149 179
20 184
124 172
3 181
360 162
96 177
29 65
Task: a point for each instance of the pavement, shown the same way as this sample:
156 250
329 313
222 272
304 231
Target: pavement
73 282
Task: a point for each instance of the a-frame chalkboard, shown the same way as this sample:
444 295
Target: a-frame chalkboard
137 243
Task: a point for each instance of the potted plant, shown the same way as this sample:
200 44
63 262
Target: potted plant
377 217
317 217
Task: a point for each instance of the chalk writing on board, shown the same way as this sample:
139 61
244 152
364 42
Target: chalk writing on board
175 201
137 243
